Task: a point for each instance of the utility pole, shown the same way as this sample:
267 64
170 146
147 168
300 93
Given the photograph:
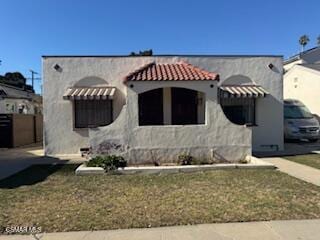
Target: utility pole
32 77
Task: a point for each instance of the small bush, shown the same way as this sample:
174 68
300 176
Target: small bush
156 163
96 162
108 163
185 159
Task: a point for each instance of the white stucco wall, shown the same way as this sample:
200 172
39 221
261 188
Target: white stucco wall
62 138
303 84
288 66
217 138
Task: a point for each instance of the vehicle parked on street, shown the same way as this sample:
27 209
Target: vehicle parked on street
299 123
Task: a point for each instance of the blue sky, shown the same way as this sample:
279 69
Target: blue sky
30 29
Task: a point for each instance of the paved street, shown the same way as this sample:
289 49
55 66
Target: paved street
273 230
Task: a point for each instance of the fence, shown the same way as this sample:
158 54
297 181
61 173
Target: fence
20 129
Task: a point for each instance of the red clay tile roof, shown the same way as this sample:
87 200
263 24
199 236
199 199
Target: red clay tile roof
170 72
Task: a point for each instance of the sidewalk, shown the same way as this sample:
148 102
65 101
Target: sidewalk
303 172
273 230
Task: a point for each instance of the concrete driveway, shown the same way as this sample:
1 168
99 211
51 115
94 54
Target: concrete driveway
302 148
17 159
293 148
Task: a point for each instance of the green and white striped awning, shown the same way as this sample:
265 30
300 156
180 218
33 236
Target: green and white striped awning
242 91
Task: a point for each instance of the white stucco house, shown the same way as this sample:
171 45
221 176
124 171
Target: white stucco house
302 78
154 108
309 56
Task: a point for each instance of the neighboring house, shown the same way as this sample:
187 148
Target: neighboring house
302 79
17 100
309 56
20 117
155 108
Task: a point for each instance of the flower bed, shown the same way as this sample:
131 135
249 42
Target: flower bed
98 166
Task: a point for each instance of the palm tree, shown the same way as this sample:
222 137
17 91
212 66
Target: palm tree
303 41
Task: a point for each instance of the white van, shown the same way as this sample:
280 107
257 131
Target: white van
299 123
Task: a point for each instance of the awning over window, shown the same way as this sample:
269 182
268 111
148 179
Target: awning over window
89 93
242 91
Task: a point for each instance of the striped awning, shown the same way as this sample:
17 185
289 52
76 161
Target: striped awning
89 93
242 91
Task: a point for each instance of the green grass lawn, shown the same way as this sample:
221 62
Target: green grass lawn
312 160
53 198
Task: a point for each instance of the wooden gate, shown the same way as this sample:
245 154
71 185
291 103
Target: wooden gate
5 130
20 129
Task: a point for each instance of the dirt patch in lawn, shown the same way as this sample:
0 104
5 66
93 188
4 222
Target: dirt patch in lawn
53 198
311 160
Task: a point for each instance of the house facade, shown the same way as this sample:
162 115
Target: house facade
302 79
155 108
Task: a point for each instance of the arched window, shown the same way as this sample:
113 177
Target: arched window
171 106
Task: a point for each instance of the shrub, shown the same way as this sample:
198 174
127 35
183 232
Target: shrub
96 162
185 159
108 163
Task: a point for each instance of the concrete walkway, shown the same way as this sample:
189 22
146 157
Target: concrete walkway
273 230
303 172
16 159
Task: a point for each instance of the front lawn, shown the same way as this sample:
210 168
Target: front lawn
311 160
55 199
